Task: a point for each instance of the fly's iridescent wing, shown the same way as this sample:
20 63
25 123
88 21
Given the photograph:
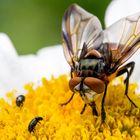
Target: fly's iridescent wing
123 39
81 31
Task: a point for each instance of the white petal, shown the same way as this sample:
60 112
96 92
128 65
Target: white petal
136 73
10 68
120 8
47 62
16 71
54 59
6 46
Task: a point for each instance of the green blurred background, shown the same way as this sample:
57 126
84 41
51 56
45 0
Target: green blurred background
33 24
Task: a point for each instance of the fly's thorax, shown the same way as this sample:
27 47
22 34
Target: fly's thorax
91 67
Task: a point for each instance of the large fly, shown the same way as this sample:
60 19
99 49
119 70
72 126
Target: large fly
97 56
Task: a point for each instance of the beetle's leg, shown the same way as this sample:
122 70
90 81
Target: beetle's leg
85 105
68 100
123 70
103 114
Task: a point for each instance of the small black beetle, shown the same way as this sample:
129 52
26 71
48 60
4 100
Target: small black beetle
19 100
33 123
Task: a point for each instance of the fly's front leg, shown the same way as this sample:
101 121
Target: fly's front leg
85 105
71 71
123 70
68 100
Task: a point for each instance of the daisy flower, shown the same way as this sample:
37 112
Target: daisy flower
38 115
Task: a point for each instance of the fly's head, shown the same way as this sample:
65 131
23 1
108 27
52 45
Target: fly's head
86 85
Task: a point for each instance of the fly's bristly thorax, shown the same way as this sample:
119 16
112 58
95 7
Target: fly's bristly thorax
89 67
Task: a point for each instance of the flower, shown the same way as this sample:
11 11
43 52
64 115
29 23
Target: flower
17 70
44 99
118 9
66 122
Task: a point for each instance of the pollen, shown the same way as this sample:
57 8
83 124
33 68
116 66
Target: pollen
65 122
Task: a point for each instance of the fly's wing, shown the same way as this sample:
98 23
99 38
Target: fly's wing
123 39
81 31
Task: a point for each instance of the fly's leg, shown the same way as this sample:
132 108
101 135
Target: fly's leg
85 105
68 100
93 106
103 114
130 65
126 89
94 111
123 70
71 73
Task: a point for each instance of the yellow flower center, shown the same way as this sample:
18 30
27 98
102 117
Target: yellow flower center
66 122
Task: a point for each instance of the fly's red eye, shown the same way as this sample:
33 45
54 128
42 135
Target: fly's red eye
95 84
74 82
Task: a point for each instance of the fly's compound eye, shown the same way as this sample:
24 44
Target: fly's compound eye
95 84
74 82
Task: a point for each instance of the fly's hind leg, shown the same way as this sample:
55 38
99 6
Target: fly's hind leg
130 66
123 70
68 100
